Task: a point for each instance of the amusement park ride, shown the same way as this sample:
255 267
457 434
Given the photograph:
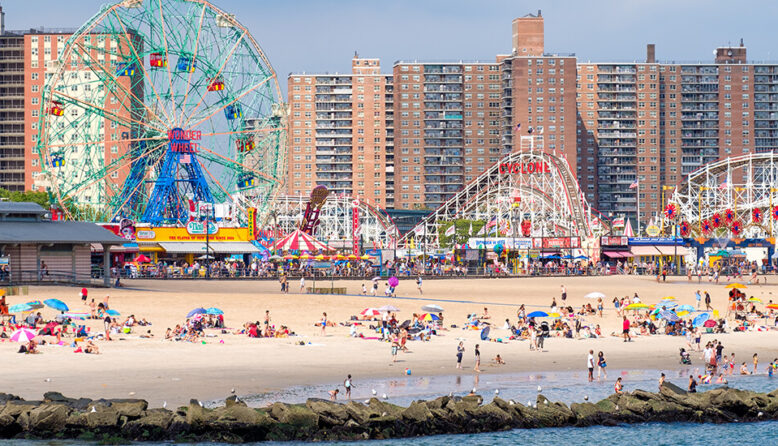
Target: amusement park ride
154 103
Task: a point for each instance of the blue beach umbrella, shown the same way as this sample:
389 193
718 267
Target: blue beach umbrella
670 316
56 304
667 304
214 311
699 320
538 314
19 308
196 311
688 308
112 312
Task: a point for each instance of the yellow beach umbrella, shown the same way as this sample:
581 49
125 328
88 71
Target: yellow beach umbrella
682 313
755 299
736 285
637 306
668 298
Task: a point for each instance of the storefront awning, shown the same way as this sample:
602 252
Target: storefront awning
215 247
648 250
673 250
116 249
617 254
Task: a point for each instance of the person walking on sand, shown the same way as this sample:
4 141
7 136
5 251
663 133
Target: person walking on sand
460 352
698 297
601 365
348 385
625 329
395 347
364 290
418 285
707 302
563 290
323 324
302 284
590 365
477 359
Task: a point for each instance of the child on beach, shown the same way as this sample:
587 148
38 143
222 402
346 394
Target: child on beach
601 365
347 384
498 360
460 352
364 290
334 394
618 387
590 365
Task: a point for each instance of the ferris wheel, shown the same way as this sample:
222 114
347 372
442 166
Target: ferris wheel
154 105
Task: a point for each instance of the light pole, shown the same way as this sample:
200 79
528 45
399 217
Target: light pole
207 249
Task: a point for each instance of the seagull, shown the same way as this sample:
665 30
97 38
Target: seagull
200 403
511 402
450 394
496 391
374 392
539 389
93 409
47 380
164 404
759 414
586 397
529 403
535 406
367 401
545 402
474 389
132 393
232 391
384 396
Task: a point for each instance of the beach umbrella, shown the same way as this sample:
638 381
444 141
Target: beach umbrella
140 258
432 308
112 313
770 306
319 257
199 310
485 333
581 257
74 315
429 317
22 335
353 257
35 304
388 309
682 313
19 308
755 299
668 298
710 323
214 311
370 312
300 241
637 306
688 308
699 320
538 314
366 257
393 281
554 315
666 304
290 257
56 304
275 258
305 257
736 285
595 295
669 316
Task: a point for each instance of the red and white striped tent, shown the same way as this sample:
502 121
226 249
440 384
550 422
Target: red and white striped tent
300 241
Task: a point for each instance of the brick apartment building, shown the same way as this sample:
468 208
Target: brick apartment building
341 133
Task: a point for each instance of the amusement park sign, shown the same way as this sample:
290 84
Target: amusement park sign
198 227
181 140
524 168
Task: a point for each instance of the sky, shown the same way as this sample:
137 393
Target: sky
318 36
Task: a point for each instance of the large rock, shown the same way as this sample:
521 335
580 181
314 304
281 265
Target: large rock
553 414
48 417
131 408
15 408
738 402
8 426
295 422
491 417
151 426
417 412
332 414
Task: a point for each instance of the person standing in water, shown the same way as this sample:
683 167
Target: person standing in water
601 365
477 359
460 352
348 385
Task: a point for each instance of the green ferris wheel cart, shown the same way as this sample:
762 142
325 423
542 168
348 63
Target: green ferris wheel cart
154 105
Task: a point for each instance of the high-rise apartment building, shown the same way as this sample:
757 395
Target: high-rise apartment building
341 133
654 123
447 126
11 108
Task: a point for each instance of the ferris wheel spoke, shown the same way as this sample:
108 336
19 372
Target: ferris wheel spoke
90 143
142 67
194 57
119 164
241 132
137 187
118 84
106 112
264 81
218 73
217 182
167 52
228 162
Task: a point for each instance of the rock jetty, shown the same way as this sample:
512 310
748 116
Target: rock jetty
121 420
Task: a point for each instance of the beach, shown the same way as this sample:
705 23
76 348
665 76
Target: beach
173 372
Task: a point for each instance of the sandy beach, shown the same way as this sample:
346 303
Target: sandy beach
173 372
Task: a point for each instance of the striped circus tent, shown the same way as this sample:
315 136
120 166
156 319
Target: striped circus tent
300 241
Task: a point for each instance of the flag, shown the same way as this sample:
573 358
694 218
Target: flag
491 222
634 184
470 231
723 185
505 227
451 230
186 159
482 231
518 127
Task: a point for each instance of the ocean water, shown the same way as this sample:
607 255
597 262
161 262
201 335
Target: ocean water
567 387
655 434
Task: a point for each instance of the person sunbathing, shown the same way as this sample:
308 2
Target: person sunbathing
90 347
